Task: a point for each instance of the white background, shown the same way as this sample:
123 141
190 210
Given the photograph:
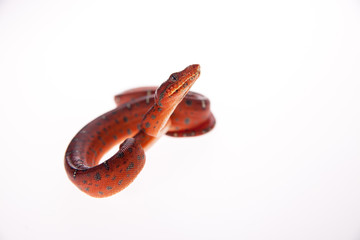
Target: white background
283 77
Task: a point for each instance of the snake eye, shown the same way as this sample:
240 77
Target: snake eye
173 77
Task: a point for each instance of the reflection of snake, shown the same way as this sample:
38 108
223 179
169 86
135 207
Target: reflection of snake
142 116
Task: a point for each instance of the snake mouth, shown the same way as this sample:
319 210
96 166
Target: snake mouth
177 86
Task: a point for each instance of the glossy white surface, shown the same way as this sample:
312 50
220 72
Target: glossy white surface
283 77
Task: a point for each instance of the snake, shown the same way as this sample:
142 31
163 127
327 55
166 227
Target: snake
142 115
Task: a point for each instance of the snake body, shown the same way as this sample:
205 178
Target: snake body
141 117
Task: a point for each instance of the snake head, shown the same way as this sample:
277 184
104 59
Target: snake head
173 90
167 97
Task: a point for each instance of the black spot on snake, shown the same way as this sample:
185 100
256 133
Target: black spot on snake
97 177
131 166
